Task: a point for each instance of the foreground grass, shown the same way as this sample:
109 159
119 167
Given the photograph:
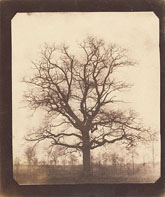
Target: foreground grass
27 175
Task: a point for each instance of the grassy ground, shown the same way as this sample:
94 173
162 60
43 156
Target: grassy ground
73 175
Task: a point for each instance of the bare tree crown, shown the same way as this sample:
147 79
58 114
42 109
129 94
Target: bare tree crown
81 90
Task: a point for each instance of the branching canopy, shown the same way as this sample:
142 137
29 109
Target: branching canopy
79 92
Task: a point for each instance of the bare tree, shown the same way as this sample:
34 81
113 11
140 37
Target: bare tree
153 138
105 157
73 160
55 154
54 158
16 165
114 159
79 93
132 152
30 155
35 161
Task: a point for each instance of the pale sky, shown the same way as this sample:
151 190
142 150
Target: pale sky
137 31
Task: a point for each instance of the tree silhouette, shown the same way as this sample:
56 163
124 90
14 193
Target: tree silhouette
73 159
54 155
133 154
30 155
16 165
153 137
78 93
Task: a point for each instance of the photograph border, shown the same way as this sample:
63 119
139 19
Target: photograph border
8 9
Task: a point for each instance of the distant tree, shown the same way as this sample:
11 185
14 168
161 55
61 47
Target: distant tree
35 161
96 158
43 162
16 164
54 158
73 159
30 155
64 161
133 153
114 159
55 154
80 92
121 163
153 136
105 157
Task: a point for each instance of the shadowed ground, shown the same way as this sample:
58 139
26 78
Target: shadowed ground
73 174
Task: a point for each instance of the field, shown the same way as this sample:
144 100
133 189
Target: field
47 174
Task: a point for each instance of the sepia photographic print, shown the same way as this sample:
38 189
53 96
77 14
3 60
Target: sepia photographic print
85 98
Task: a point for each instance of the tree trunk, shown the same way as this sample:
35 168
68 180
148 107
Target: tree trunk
86 154
86 161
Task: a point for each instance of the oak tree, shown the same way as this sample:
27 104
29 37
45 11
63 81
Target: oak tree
77 92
